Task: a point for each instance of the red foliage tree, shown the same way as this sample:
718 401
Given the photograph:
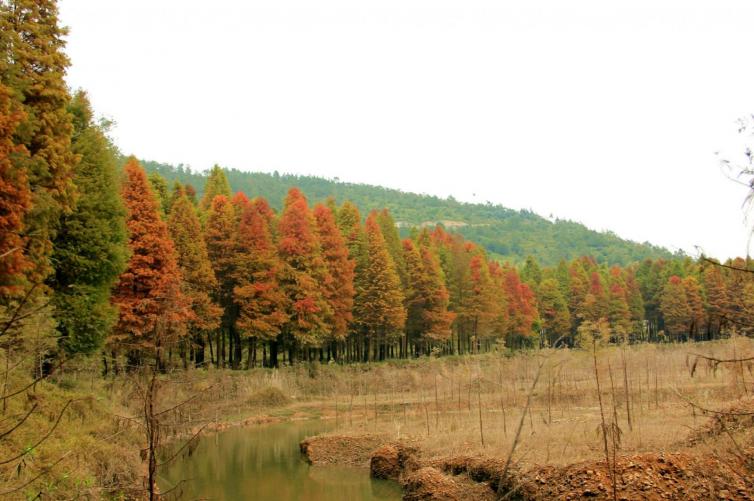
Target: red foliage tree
261 302
15 201
305 274
148 295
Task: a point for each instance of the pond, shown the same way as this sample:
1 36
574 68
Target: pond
264 463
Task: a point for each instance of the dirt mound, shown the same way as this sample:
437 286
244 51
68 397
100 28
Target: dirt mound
430 484
645 476
478 468
267 397
737 417
393 460
351 450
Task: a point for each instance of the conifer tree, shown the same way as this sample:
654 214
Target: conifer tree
579 288
90 248
262 304
15 201
33 67
717 298
198 276
305 275
675 308
220 236
151 305
477 310
349 223
635 301
427 317
176 192
340 291
159 187
217 184
240 203
378 307
531 273
393 243
553 311
522 310
695 299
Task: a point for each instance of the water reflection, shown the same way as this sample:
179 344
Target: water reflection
264 463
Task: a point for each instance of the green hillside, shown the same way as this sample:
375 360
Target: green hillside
507 234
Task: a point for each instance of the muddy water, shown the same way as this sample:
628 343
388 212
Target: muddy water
264 463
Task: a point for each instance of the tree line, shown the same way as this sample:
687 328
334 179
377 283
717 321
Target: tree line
106 259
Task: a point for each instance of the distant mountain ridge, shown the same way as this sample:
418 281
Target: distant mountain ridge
506 233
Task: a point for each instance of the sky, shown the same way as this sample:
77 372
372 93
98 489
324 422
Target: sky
613 114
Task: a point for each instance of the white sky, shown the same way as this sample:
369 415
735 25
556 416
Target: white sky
604 112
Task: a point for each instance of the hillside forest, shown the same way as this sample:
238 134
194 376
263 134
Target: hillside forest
506 234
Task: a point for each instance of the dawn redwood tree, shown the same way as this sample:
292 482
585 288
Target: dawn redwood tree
15 201
33 68
198 276
477 310
500 322
220 236
428 320
635 302
717 299
240 202
522 308
90 247
393 243
261 302
148 294
378 308
553 311
340 290
579 288
675 308
159 187
305 276
695 299
217 184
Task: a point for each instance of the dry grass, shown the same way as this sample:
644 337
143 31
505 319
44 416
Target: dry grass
440 403
454 406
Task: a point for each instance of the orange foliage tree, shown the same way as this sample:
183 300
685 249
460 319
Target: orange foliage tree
148 294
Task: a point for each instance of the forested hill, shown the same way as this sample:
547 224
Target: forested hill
507 234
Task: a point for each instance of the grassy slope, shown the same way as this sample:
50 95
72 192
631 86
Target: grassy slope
507 234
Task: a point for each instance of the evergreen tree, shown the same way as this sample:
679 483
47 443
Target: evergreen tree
90 248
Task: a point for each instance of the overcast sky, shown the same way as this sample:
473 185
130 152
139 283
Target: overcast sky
608 113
